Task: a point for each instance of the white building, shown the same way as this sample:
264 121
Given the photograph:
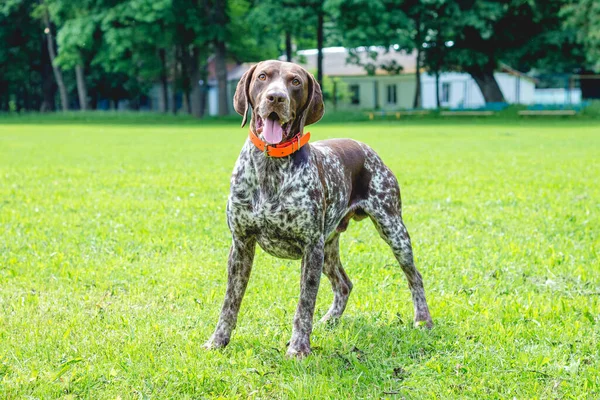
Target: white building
385 91
461 90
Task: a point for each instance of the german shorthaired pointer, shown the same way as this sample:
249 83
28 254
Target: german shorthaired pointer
295 199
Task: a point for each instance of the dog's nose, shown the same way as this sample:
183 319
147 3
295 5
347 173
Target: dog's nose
277 97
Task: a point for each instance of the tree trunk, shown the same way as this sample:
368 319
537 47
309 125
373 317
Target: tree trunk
186 66
29 97
320 45
64 98
195 92
418 43
48 84
164 106
174 82
487 84
173 98
417 99
288 46
21 98
187 102
221 65
3 96
81 87
196 95
203 90
94 99
437 89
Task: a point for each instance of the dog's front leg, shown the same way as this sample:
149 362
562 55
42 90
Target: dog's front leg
239 266
312 266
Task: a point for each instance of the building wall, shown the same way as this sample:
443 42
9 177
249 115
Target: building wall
464 92
557 96
516 90
373 92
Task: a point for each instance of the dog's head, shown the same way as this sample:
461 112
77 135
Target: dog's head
284 98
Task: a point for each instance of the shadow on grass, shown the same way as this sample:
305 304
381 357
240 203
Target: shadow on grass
384 356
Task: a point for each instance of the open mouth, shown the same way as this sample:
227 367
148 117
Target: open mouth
272 129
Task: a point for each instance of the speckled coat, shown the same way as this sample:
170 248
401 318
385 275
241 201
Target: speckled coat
295 207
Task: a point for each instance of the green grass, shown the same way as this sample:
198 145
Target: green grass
113 248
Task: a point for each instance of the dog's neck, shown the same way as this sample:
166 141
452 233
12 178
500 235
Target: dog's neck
272 173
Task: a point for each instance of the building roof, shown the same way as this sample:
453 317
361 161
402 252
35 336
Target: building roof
336 63
335 60
511 71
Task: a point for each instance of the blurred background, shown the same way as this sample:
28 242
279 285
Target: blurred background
186 56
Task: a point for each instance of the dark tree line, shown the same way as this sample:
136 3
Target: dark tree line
66 54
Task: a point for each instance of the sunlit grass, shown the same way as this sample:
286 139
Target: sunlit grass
113 248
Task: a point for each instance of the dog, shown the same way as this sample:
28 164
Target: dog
294 199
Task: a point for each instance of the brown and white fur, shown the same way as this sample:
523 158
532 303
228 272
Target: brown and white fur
295 207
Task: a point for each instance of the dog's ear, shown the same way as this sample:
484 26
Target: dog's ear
241 99
314 108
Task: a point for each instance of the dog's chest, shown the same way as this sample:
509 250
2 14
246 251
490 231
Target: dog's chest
277 203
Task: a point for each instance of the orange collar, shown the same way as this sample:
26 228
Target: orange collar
281 149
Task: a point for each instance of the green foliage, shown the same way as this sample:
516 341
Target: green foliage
583 16
113 254
126 46
75 36
248 37
373 23
341 91
524 34
21 65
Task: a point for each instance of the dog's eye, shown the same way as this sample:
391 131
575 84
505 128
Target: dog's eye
262 77
296 82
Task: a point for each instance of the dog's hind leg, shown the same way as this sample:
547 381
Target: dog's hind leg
340 283
389 224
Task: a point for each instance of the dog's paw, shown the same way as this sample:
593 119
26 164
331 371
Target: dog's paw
297 353
213 344
298 347
425 324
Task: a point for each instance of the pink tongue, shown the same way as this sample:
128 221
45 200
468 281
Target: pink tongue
272 131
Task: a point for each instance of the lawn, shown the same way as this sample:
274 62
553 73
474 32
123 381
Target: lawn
113 248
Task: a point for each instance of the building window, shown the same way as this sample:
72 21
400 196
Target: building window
391 94
354 94
445 96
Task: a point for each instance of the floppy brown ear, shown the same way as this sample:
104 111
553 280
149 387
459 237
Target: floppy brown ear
241 99
316 107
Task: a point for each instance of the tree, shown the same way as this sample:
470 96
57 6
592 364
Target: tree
385 23
44 14
303 23
233 37
583 17
280 20
137 48
76 44
520 33
483 33
435 44
14 51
